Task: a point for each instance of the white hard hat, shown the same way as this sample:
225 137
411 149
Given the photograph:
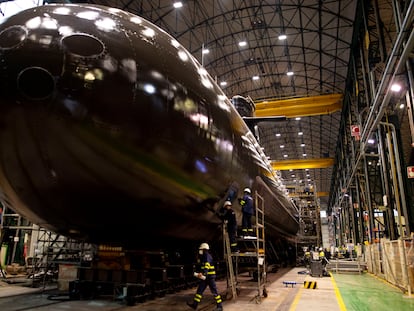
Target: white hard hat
320 248
204 246
247 190
226 203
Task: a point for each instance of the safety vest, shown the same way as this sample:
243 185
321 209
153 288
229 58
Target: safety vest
207 265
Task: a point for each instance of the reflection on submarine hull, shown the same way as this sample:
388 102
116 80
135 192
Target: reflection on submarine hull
112 131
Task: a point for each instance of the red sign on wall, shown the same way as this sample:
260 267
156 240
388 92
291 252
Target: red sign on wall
410 171
355 131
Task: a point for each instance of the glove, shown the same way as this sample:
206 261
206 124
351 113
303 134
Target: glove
199 275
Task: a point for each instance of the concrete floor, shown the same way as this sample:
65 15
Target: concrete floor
339 292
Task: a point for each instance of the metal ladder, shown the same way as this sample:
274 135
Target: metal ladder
260 247
231 280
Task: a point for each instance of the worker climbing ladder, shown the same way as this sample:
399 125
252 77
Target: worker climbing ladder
250 248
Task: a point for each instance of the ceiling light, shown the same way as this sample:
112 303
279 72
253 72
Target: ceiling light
242 43
297 119
289 73
285 155
178 4
396 87
402 106
300 133
282 146
206 51
371 141
223 83
293 175
282 37
277 134
302 145
304 154
255 78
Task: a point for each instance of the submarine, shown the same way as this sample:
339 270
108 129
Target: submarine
113 133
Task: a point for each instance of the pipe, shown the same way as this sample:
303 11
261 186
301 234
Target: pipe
400 180
378 108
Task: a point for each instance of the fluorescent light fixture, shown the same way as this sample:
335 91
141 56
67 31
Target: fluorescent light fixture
282 146
178 4
242 43
206 51
223 83
302 145
297 118
282 37
289 73
277 134
371 141
285 155
304 154
255 78
300 133
402 106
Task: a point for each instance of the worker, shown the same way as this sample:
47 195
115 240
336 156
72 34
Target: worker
248 210
229 217
307 257
321 253
324 261
207 278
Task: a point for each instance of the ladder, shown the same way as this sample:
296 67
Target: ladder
231 280
260 247
256 253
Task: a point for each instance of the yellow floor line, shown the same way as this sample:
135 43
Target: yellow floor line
296 300
338 295
383 281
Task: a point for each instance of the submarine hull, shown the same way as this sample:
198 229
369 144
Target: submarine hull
112 132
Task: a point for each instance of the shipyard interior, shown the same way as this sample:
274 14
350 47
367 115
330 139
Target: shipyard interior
209 155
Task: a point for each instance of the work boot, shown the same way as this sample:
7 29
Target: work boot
192 305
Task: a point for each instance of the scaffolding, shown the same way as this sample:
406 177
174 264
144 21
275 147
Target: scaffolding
250 259
36 250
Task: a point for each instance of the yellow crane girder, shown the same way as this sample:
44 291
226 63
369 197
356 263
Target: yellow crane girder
302 164
299 107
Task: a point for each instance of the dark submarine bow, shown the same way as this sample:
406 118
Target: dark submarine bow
111 131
